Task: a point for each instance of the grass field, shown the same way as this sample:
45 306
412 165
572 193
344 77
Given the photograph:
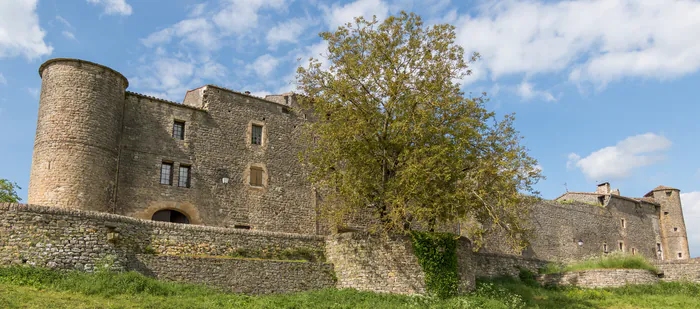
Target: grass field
610 261
38 288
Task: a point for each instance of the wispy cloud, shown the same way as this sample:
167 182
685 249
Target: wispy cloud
114 7
616 162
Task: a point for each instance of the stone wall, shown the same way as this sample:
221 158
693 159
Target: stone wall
217 146
490 265
681 270
600 278
558 227
72 239
238 275
386 264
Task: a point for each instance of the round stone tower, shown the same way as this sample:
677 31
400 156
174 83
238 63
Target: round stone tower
673 235
76 148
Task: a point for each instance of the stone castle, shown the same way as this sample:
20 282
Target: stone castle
226 164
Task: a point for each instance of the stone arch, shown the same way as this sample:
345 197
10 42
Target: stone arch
170 215
189 210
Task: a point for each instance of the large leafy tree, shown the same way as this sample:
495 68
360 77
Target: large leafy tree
8 193
394 136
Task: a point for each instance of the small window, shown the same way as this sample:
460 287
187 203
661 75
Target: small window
622 246
601 199
680 255
184 176
256 175
256 136
179 130
675 229
605 248
166 173
634 251
241 226
665 213
668 193
622 222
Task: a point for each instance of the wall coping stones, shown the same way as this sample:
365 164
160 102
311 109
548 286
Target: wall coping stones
159 100
600 278
167 225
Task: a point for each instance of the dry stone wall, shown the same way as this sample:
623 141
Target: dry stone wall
238 275
680 270
386 264
82 240
490 265
600 278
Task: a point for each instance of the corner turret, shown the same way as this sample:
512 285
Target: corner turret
674 238
76 148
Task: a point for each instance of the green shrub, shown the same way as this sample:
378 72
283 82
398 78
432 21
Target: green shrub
436 253
614 260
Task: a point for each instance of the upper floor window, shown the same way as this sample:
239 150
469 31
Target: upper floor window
256 176
668 193
184 176
256 135
179 130
622 222
166 173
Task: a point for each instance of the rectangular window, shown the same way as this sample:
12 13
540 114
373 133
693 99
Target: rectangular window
665 213
680 255
622 222
622 246
634 251
668 193
179 130
184 176
675 229
256 175
166 173
241 226
256 136
605 248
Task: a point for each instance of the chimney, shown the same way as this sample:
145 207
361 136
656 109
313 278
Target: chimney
603 188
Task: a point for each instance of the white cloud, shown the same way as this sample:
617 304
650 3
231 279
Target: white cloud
691 214
264 65
198 32
34 92
239 16
338 15
20 33
287 31
3 81
596 41
527 91
615 162
69 35
114 7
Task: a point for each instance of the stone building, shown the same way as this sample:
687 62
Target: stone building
229 159
221 158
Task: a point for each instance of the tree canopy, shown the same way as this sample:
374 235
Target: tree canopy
394 136
8 193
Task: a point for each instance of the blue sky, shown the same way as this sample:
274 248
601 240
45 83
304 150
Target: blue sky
602 90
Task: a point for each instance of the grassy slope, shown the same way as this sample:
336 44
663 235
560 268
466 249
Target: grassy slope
32 288
611 261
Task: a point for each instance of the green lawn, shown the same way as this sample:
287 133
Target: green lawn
37 288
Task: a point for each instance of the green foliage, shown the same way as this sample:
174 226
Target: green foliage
149 250
24 287
395 137
613 260
8 192
436 253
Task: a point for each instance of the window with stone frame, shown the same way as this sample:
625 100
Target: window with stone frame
183 179
256 176
166 173
256 135
179 130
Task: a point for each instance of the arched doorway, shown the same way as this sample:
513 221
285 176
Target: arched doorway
169 215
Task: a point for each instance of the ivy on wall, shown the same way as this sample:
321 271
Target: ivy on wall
436 253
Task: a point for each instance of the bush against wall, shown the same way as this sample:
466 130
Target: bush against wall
437 255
